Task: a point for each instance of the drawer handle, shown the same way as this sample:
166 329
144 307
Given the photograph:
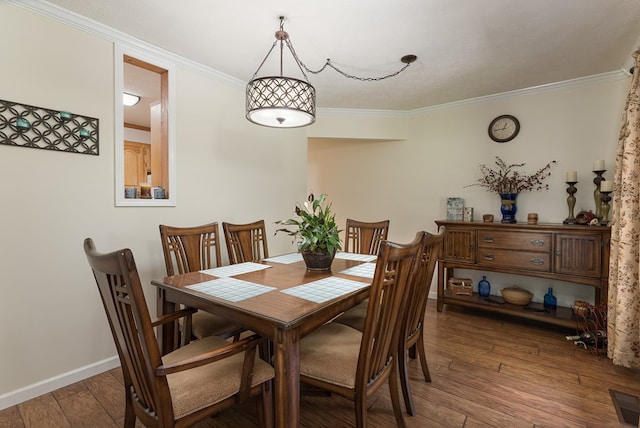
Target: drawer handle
488 239
537 242
488 257
537 261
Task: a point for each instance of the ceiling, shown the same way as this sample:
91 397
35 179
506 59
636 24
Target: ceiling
465 48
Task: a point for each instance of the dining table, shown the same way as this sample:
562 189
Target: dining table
277 298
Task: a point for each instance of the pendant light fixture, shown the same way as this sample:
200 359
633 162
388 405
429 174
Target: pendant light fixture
280 101
287 102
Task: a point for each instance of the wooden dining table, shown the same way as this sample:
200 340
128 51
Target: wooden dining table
280 300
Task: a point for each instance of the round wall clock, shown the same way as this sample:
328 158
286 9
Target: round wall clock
504 128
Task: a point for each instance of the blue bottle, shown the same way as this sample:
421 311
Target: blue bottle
484 288
550 301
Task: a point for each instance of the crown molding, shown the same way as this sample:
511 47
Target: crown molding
549 87
90 26
100 30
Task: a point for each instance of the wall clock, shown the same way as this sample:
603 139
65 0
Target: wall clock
504 128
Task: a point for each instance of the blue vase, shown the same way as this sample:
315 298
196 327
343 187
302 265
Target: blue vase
484 288
508 207
550 301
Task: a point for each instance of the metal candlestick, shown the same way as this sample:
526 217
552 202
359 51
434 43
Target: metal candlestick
596 193
605 208
571 202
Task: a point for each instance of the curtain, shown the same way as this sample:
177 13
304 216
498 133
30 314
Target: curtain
623 329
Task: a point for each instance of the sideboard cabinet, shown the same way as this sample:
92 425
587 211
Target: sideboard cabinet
572 253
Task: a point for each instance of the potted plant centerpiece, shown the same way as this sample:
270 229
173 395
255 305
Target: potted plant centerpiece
508 182
315 231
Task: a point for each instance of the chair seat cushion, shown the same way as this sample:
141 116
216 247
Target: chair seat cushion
194 389
330 354
355 316
204 324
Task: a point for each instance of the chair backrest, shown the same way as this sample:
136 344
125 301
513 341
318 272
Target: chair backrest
365 237
189 249
119 284
395 268
246 242
418 291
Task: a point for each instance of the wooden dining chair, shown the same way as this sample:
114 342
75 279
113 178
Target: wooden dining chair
362 238
413 316
190 249
354 364
187 385
365 237
246 242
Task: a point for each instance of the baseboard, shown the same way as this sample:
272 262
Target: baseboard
37 389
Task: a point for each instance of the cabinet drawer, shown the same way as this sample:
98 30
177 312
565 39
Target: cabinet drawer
519 241
514 259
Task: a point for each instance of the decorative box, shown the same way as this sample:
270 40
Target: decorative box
460 286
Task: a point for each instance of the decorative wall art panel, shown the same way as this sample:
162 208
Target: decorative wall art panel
40 128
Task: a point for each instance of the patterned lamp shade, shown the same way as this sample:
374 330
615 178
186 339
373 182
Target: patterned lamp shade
280 102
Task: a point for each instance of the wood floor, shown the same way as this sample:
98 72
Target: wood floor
486 371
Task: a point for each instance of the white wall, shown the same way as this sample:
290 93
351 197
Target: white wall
52 326
409 180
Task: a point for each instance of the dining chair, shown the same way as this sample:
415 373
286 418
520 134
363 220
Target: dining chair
187 385
365 237
246 242
190 249
413 316
354 364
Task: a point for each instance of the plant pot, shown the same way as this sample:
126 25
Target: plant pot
318 261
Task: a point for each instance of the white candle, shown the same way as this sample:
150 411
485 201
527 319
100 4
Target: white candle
572 176
598 165
606 186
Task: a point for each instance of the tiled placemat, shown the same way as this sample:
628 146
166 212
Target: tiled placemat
356 257
285 258
365 270
325 289
231 289
236 269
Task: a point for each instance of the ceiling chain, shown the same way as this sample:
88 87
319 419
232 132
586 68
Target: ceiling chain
407 60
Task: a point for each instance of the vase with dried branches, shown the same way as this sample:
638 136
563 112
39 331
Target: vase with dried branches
507 181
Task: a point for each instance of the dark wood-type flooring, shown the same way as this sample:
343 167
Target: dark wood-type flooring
487 371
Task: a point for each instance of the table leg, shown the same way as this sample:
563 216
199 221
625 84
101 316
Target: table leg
287 378
166 333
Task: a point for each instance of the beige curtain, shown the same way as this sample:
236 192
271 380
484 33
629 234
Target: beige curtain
624 276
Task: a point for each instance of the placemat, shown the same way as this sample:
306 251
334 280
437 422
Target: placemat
355 256
285 258
231 289
325 289
365 270
236 269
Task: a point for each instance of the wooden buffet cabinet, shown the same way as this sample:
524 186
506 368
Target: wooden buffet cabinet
572 253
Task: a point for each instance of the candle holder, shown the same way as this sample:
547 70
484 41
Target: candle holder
605 208
596 193
571 202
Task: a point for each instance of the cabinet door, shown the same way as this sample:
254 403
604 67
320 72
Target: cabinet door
136 163
578 254
459 245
